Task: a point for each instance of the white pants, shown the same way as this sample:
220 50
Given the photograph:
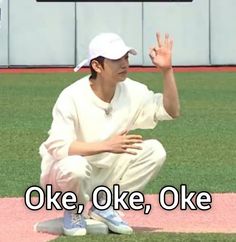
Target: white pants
131 172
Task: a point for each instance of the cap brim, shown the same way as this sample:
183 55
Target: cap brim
133 51
115 55
82 63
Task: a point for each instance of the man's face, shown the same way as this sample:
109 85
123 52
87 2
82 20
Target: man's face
116 70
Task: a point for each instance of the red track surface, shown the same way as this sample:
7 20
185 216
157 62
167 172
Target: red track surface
132 69
16 221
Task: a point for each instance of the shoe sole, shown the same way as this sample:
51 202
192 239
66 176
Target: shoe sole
74 232
112 227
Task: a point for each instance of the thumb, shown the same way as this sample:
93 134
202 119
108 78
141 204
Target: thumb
152 52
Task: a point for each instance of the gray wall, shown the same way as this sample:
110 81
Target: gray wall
41 33
188 25
4 33
223 32
57 34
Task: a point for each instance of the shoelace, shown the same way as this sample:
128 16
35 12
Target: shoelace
121 214
76 218
103 201
115 212
117 215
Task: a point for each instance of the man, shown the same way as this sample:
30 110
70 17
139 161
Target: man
89 144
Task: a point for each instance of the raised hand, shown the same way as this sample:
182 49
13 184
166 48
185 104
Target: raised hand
161 53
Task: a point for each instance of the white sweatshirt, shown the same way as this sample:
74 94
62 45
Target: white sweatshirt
80 115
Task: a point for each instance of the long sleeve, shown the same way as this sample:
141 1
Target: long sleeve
150 111
62 131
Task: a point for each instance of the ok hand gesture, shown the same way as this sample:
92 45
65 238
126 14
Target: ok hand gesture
161 53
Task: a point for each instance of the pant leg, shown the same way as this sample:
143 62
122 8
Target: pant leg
72 173
133 173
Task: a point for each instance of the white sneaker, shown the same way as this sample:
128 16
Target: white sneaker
112 219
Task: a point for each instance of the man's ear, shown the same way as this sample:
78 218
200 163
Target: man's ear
96 66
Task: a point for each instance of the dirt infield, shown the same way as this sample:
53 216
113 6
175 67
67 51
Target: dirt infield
17 221
131 69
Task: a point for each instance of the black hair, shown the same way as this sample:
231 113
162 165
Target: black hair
100 60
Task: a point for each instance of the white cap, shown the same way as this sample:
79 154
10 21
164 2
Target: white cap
108 45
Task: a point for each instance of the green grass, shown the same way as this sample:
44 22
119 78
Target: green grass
151 237
201 144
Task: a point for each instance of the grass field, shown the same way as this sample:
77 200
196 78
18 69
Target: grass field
201 144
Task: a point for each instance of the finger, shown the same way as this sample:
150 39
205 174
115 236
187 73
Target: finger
159 40
167 39
133 141
127 151
130 152
136 147
171 44
152 52
134 136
